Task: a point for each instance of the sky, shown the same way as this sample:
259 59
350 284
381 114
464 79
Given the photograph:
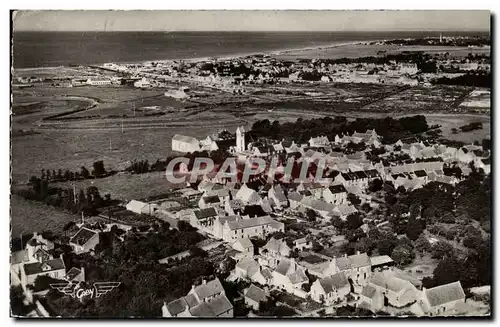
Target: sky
162 20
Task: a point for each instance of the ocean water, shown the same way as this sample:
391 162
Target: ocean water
48 49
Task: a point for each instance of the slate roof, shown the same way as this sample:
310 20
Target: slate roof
177 306
73 273
420 173
82 236
390 282
278 193
37 267
254 210
214 308
276 246
255 293
316 204
371 173
205 213
353 261
245 242
337 189
336 281
211 288
211 199
251 222
236 204
380 260
444 294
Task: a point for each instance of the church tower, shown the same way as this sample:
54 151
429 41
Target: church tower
240 139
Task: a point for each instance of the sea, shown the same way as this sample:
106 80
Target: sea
52 49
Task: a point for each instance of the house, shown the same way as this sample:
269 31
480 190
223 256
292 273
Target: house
204 217
207 300
344 210
248 196
295 199
254 296
319 141
322 208
356 267
335 194
75 275
29 250
331 289
289 276
370 298
276 248
244 245
246 268
84 240
209 201
381 261
236 227
234 207
397 291
185 144
277 194
302 244
140 207
54 268
441 300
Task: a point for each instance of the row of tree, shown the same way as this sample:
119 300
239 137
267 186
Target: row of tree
88 201
302 130
98 171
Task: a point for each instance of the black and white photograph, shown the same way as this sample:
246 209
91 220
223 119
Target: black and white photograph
240 164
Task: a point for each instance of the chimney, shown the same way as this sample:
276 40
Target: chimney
204 282
192 287
357 252
345 255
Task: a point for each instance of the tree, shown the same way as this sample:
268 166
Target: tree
354 221
386 243
414 228
354 199
422 244
84 172
441 249
99 169
311 215
402 255
375 185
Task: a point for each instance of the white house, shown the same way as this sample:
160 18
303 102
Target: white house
84 240
185 144
207 300
399 292
331 289
254 296
335 194
441 300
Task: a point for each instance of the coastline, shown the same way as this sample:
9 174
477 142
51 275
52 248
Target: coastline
219 57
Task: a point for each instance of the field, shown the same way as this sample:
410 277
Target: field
29 216
448 122
126 187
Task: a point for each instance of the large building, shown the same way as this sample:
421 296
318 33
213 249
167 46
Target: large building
207 300
185 144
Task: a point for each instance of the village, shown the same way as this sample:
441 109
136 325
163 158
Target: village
310 249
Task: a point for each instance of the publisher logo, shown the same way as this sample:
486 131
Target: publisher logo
80 291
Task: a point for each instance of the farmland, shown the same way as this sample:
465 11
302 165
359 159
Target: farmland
29 216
